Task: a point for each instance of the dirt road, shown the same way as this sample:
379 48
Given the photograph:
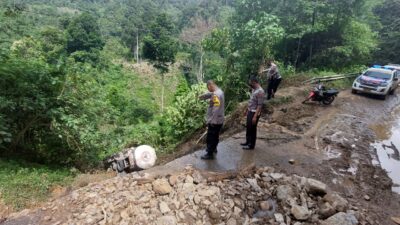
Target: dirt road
331 144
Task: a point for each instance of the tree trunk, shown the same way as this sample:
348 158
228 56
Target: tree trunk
314 17
200 76
162 92
297 54
137 47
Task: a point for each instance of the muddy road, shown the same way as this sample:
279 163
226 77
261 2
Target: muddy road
349 145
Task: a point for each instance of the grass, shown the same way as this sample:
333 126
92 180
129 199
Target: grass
25 184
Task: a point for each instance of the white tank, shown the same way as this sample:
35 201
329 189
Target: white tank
145 157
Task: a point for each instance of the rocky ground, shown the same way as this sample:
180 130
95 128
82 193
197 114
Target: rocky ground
313 165
251 196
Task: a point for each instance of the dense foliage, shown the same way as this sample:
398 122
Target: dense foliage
70 92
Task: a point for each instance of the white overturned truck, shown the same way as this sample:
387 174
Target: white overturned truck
131 159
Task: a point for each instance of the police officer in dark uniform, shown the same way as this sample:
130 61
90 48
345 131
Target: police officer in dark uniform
253 113
215 117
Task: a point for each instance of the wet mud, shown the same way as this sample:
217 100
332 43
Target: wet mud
387 146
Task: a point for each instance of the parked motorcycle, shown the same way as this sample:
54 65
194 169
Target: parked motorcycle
320 94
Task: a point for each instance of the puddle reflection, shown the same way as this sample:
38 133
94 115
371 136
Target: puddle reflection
388 152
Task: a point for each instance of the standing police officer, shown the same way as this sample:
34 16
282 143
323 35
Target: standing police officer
253 113
215 117
274 79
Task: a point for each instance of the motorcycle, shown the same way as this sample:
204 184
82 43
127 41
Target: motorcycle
320 94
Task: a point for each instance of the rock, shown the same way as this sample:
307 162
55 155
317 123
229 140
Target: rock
47 218
124 214
164 208
236 211
181 215
315 187
231 221
292 161
341 219
276 176
161 187
188 187
197 199
214 212
189 179
166 220
264 205
300 212
197 177
279 218
339 203
367 198
326 210
173 179
254 185
192 213
396 220
284 192
209 192
206 202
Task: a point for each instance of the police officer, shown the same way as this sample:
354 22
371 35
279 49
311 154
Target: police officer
215 117
274 79
253 113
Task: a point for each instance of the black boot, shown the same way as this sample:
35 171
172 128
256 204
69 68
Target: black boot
248 148
244 144
207 156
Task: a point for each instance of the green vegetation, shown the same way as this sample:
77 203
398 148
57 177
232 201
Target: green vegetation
23 184
76 81
160 48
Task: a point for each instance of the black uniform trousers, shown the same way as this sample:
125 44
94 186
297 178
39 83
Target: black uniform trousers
213 137
272 88
251 131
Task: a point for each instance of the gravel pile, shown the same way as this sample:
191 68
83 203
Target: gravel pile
255 196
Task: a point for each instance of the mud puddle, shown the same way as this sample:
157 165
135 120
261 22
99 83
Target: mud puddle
387 147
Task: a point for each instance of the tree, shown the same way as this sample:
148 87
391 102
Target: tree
389 46
134 23
193 36
160 47
29 90
83 34
53 44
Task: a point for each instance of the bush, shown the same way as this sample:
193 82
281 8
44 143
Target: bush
185 116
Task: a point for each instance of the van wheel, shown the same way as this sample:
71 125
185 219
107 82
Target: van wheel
391 92
354 91
383 97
